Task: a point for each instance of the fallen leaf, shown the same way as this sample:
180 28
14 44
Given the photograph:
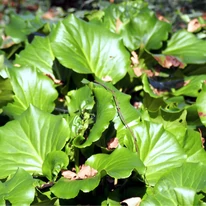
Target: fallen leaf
113 143
69 174
169 61
134 201
134 58
86 172
193 25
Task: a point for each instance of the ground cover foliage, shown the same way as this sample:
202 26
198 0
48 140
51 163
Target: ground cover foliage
106 109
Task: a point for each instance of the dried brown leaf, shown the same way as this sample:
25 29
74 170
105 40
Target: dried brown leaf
193 25
56 81
69 174
86 172
113 143
134 58
169 61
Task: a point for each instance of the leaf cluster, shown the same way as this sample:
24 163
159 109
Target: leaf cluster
103 108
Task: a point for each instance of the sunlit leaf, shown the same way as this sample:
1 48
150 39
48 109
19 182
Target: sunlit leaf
158 149
67 189
30 87
187 47
117 167
90 49
19 190
38 54
25 142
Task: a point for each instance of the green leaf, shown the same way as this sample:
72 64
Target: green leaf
119 164
53 163
6 92
145 31
38 54
18 190
192 87
68 189
79 100
25 142
187 47
30 87
20 26
105 113
176 186
158 149
90 49
201 104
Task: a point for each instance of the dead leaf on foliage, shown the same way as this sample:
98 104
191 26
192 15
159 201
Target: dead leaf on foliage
113 143
138 72
46 185
162 18
69 174
193 25
134 201
169 61
86 172
118 24
134 58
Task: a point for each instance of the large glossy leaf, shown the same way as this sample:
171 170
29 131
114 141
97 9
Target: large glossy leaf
19 190
119 164
105 113
90 48
25 142
38 54
201 104
30 87
145 31
187 47
159 150
179 184
68 189
6 92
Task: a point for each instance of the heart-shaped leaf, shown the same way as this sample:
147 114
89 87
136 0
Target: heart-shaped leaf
30 87
90 49
159 150
25 142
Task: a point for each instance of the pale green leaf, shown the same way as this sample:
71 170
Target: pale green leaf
30 87
158 149
19 190
25 142
38 54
